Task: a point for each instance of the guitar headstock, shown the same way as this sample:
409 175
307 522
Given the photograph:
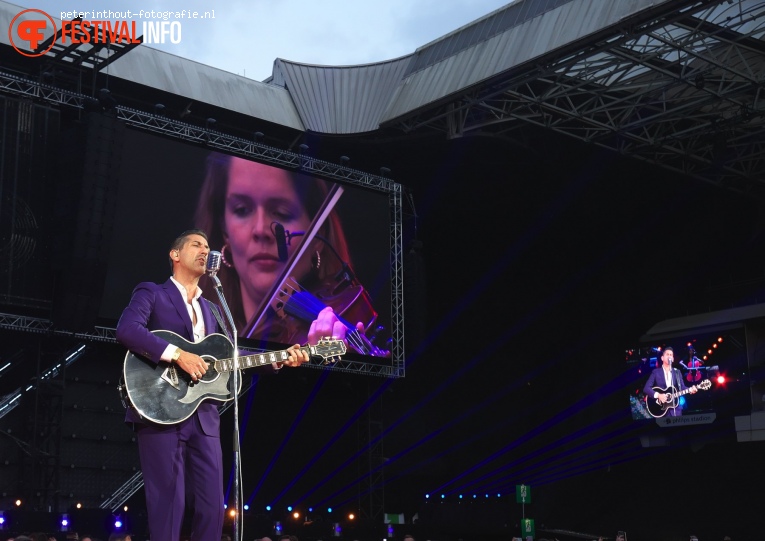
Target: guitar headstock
329 350
704 385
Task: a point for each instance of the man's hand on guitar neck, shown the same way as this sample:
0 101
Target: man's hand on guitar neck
297 355
194 365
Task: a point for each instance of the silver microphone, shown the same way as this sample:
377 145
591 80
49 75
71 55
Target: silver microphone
213 263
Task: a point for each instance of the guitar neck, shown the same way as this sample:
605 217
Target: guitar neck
681 393
258 359
703 386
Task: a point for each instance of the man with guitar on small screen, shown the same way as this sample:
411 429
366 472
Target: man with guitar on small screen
174 391
663 387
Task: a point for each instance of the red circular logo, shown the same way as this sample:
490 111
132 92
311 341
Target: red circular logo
30 30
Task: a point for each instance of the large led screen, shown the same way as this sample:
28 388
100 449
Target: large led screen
291 243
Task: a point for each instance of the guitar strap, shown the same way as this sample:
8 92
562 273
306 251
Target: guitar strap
216 313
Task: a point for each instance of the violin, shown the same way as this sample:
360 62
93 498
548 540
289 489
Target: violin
349 301
694 366
293 308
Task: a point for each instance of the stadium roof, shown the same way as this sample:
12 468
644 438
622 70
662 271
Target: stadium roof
675 83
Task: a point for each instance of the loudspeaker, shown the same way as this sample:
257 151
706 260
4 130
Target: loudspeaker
28 151
86 206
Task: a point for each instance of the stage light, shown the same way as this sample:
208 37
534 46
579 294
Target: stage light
159 109
329 509
117 523
296 515
246 507
64 523
258 136
79 505
384 171
278 528
125 509
351 516
303 148
17 503
344 160
2 521
443 496
210 123
427 496
268 508
721 379
106 100
337 531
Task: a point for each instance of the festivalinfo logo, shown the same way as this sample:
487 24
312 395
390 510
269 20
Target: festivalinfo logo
29 28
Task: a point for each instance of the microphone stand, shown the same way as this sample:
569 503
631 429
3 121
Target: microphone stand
236 376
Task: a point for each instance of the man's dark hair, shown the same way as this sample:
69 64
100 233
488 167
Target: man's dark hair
180 240
667 348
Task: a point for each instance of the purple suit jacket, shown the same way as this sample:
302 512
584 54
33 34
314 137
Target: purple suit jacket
162 307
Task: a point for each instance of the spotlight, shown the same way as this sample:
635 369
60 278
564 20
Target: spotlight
210 123
258 136
384 171
106 100
337 531
64 523
344 160
303 148
159 109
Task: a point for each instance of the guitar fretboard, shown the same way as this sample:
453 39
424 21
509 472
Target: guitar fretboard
251 361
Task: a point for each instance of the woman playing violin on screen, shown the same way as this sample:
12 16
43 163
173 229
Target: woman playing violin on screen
243 204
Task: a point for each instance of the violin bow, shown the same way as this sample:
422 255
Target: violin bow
335 192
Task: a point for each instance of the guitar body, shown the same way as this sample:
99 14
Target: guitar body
165 394
656 408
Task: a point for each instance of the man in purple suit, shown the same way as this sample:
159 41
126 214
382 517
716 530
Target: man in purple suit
666 377
185 457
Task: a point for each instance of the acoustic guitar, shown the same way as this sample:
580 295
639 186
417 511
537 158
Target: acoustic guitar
165 394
